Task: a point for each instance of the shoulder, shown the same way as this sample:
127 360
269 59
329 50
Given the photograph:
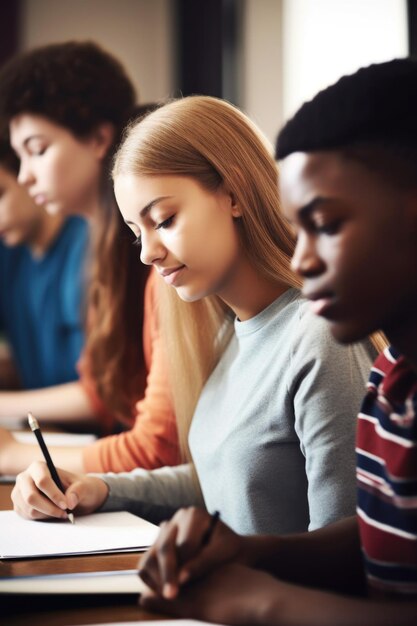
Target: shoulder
313 340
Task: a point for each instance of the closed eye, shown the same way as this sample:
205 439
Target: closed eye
138 241
166 223
331 228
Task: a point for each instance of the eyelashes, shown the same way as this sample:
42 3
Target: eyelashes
165 224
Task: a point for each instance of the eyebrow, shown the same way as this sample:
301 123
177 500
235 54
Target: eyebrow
148 207
38 136
144 212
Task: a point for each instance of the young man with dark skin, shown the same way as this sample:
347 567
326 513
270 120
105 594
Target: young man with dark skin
349 187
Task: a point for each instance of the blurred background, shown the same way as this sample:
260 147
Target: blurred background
267 56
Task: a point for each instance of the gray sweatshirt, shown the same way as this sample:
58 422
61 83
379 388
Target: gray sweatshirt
272 437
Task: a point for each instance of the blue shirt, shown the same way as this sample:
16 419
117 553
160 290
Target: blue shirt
41 306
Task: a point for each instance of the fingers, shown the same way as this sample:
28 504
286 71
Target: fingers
159 566
35 495
86 494
154 602
166 565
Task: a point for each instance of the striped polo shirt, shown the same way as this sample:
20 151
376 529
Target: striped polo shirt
387 475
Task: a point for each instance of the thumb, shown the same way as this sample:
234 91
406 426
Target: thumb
74 494
86 494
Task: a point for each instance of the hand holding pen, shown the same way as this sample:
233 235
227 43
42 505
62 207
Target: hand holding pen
34 425
189 545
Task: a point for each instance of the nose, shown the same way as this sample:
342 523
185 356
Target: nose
306 261
152 249
25 176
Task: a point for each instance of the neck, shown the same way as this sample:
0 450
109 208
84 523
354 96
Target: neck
405 341
45 233
401 329
249 293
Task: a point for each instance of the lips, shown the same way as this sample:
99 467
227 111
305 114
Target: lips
170 275
39 198
321 302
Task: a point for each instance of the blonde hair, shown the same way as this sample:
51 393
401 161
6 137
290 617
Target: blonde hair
214 143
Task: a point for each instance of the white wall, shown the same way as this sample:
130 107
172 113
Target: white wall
291 48
261 72
138 32
324 39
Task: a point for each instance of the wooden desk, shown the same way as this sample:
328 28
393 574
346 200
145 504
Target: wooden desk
71 609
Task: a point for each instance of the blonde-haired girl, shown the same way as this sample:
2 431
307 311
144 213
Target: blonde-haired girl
256 378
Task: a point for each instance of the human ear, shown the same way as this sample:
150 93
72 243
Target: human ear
236 212
102 138
234 204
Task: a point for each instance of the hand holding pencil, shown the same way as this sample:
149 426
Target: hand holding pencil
38 494
188 546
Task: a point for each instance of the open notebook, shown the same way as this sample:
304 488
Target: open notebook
91 534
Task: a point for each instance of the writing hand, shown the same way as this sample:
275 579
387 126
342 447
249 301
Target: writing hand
179 556
36 496
233 594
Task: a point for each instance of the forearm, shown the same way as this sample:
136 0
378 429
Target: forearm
297 606
329 558
62 403
168 486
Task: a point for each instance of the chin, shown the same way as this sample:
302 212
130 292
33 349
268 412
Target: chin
11 242
52 209
186 297
346 333
189 296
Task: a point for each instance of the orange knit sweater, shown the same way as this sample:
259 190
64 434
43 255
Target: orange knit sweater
152 441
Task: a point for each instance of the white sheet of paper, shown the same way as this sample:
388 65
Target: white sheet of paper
91 534
124 581
56 439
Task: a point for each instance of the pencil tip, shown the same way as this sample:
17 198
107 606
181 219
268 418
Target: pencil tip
33 422
71 518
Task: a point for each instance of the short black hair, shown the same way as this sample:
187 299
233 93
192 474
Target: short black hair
77 85
370 116
376 103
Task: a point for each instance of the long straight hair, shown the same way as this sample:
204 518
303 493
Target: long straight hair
214 143
114 341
